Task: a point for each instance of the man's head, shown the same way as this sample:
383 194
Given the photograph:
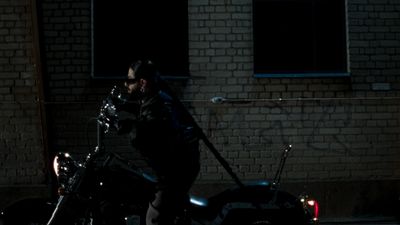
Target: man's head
142 77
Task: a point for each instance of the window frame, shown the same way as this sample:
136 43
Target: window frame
183 64
313 74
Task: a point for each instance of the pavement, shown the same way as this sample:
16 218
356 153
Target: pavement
359 221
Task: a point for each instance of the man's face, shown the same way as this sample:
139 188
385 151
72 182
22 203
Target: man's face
132 84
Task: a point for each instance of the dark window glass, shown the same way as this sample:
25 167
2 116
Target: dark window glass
299 36
124 31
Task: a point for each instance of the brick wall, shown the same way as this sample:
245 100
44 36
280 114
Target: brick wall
343 130
21 146
340 128
374 44
332 140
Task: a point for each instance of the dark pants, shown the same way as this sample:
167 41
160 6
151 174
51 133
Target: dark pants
171 196
167 208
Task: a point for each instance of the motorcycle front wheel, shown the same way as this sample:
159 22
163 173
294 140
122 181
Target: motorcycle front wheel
35 211
25 221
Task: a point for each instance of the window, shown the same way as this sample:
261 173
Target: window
299 38
125 31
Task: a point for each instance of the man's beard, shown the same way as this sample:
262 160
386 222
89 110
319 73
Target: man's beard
136 95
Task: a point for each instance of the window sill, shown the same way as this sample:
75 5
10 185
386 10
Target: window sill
300 75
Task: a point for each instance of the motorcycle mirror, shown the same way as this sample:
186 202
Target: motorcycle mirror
118 96
115 92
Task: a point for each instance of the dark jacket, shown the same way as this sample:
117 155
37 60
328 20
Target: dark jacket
166 139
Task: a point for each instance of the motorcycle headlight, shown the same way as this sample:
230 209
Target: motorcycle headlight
64 166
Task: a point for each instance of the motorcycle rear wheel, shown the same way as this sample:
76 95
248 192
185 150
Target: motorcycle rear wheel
260 222
251 217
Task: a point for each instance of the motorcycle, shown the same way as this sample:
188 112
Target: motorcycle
105 188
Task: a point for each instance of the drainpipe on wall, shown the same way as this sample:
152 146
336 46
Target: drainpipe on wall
41 98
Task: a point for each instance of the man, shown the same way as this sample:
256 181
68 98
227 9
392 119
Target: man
168 142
